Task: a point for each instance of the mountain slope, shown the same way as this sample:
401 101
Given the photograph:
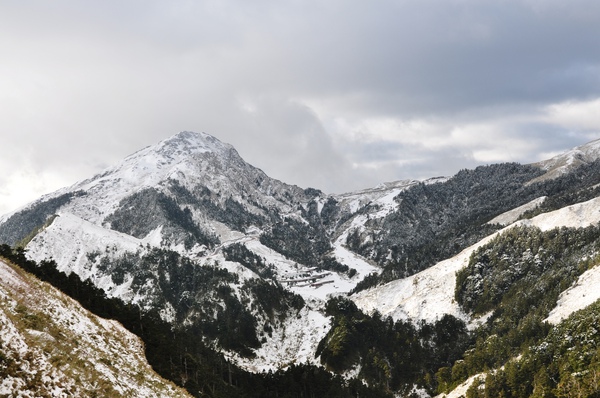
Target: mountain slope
197 169
51 346
434 222
429 294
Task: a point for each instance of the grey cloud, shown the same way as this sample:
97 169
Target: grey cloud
88 83
287 140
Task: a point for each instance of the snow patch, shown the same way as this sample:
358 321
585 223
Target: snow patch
461 390
513 215
74 352
381 196
567 161
583 293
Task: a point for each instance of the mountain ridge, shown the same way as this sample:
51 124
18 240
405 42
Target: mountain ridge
429 294
569 160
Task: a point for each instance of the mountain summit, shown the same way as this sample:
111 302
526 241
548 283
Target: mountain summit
189 141
191 169
190 160
187 228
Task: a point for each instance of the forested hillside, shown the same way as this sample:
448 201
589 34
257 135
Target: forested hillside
436 221
515 281
52 347
564 363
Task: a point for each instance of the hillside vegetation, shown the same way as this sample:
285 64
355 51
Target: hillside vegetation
51 347
436 221
516 280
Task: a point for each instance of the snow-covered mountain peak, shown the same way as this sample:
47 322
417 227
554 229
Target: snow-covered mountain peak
191 159
175 155
189 142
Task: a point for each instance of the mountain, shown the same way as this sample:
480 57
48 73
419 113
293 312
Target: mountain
190 229
570 160
429 294
412 286
51 346
196 168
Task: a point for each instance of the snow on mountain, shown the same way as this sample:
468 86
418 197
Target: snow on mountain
355 261
82 231
148 167
192 187
197 161
193 160
365 205
381 198
152 165
70 239
583 293
429 294
382 195
287 269
294 342
567 161
513 215
461 390
54 348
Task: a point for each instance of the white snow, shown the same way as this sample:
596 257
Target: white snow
69 239
429 294
424 296
567 161
382 195
190 158
513 215
286 269
583 293
353 260
461 390
293 342
200 160
340 283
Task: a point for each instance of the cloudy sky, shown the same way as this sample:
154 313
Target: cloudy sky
333 94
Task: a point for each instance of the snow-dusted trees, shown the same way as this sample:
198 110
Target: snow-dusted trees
516 280
394 355
436 221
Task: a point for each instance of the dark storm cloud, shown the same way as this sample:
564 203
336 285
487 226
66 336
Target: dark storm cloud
337 95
